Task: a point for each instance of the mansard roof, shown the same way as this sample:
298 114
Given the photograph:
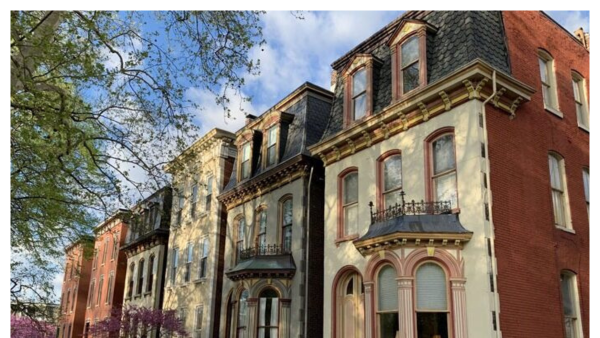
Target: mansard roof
457 39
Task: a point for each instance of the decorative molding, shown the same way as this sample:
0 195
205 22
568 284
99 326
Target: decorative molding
446 100
498 96
385 129
367 138
424 111
336 152
351 145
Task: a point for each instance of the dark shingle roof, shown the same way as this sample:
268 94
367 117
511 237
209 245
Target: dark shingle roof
461 37
439 224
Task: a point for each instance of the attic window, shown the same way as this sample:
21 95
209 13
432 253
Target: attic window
272 145
246 149
358 92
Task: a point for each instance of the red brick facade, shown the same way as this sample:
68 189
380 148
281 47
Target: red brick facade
531 252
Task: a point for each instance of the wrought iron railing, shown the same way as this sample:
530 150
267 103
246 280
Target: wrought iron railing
264 250
409 208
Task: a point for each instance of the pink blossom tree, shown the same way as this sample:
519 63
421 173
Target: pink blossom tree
138 322
25 327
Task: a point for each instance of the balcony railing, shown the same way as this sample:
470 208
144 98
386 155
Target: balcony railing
410 208
264 250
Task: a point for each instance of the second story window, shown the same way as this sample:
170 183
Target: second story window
548 81
359 94
95 262
105 250
558 185
349 210
150 282
241 233
188 263
208 198
410 64
131 279
181 200
194 201
286 224
140 277
203 258
246 164
272 145
443 169
261 235
586 188
580 102
100 290
115 250
110 288
391 180
174 262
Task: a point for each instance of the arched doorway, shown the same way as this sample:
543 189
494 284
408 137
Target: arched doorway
350 311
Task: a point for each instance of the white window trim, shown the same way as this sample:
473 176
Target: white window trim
551 70
567 209
581 85
573 281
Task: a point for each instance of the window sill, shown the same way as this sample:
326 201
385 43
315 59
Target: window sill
554 111
340 240
584 128
201 280
571 231
147 293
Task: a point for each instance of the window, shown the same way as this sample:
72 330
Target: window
115 251
390 169
558 185
73 299
443 169
100 284
91 293
387 302
286 224
110 287
568 289
432 305
67 307
548 81
203 258
181 198
586 188
188 263
350 309
182 316
198 321
151 269
268 314
140 277
349 203
131 279
272 145
242 320
174 262
359 94
261 234
104 252
208 198
194 201
410 65
72 271
95 262
580 102
245 161
241 233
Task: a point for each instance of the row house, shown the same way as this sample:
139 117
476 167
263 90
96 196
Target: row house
146 251
107 277
432 114
73 300
274 245
194 267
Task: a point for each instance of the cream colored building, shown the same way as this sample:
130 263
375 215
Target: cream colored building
194 268
408 239
274 246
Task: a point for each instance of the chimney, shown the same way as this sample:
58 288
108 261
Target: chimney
333 80
250 118
583 37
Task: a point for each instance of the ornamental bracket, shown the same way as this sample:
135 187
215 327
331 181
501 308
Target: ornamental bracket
351 145
336 152
514 106
480 86
367 138
498 96
470 88
446 100
385 129
424 111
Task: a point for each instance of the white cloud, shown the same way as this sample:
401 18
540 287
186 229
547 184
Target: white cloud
572 20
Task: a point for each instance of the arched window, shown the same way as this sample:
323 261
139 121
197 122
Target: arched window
140 276
242 320
131 279
348 203
286 223
581 106
73 299
387 302
410 65
570 301
432 302
548 78
68 300
261 230
100 284
110 288
268 314
442 161
240 236
91 294
390 179
559 190
150 281
350 313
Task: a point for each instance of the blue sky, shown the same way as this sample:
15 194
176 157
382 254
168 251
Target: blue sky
303 50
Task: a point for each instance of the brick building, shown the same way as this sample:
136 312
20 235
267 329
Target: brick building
433 116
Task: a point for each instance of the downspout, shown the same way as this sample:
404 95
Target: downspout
490 229
306 255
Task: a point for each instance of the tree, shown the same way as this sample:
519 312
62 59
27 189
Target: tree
99 103
134 322
25 327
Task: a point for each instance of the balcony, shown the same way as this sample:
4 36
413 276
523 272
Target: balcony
263 261
412 224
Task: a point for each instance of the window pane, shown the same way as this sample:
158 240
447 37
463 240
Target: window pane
432 324
243 309
410 51
287 212
544 71
567 295
559 211
586 185
360 106
271 155
392 172
287 238
555 174
443 154
431 287
410 77
272 136
547 96
581 115
246 152
388 324
351 219
576 91
263 222
351 188
387 289
359 82
445 189
392 198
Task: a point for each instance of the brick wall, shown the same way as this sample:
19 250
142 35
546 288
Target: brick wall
530 251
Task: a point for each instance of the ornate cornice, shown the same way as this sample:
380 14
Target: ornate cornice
429 240
471 82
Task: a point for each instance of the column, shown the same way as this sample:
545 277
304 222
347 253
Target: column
405 307
459 309
252 312
284 318
368 309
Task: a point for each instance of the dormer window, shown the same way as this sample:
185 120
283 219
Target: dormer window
359 94
246 164
272 145
410 64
